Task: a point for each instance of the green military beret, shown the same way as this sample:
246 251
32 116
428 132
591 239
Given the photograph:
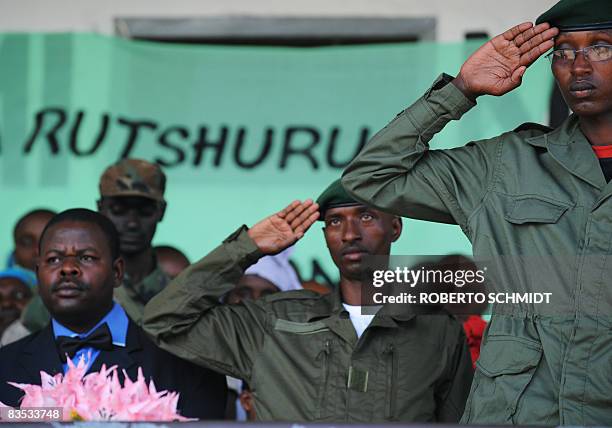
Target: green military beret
579 15
334 196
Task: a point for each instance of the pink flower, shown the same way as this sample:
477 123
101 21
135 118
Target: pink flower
100 396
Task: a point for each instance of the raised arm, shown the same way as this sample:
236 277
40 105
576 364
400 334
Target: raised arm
189 320
397 172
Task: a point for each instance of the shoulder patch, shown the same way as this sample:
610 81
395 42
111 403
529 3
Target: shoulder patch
292 295
531 126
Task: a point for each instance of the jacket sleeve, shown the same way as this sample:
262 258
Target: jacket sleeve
188 319
396 172
452 393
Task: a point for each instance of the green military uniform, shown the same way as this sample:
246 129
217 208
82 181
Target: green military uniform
526 196
132 297
299 352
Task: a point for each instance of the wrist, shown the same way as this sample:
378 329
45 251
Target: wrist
254 238
461 85
242 247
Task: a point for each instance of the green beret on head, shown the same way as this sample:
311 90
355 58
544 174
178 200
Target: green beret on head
333 197
579 15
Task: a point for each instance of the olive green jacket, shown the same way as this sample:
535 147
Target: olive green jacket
535 204
299 352
131 297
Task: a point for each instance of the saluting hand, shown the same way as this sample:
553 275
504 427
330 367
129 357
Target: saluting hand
498 66
279 231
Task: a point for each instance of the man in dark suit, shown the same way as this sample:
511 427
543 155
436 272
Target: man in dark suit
78 269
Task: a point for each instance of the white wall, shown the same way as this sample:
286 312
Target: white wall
455 17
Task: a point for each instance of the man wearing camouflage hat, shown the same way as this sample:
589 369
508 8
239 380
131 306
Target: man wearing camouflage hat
309 357
132 197
536 200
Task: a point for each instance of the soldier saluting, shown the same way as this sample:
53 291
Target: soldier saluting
531 194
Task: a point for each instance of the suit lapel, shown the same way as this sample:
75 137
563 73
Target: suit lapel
41 354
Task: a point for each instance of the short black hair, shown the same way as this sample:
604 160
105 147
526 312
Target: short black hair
83 215
30 214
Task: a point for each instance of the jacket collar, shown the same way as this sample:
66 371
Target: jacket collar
330 311
331 306
571 149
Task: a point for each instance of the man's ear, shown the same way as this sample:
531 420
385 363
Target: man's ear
397 226
99 204
37 258
324 236
118 271
162 210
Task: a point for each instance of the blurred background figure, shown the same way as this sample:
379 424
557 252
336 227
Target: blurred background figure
270 274
132 197
15 292
21 267
315 286
171 260
25 236
246 401
469 314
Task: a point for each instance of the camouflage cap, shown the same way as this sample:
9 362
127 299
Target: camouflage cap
133 177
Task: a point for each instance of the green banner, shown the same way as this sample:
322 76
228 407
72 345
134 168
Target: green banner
240 131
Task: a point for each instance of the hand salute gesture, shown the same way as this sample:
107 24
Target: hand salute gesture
498 66
279 231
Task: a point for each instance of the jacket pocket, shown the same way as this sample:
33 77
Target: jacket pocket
504 370
533 209
300 327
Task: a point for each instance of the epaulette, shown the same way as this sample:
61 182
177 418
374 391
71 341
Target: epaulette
293 294
531 126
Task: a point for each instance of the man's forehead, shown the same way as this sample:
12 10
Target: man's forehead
12 282
345 209
132 201
82 234
583 35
